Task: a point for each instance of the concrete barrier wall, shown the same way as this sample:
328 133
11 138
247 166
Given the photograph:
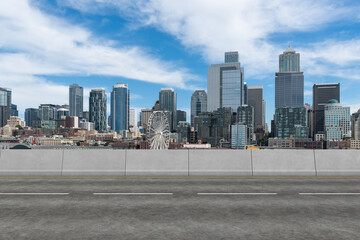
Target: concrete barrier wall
283 163
337 162
97 162
220 163
157 163
31 162
94 163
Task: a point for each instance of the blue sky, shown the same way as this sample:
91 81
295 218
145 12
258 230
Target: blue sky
47 45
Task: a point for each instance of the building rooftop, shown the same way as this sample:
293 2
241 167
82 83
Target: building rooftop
289 50
333 101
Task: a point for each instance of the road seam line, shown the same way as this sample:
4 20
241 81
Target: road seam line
329 193
236 193
8 193
114 193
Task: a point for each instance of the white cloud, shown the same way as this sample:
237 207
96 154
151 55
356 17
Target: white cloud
213 27
33 43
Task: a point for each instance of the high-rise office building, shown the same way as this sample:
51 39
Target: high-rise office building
168 102
5 106
180 116
32 118
355 125
97 109
76 94
47 112
245 93
86 115
255 100
289 81
133 118
291 122
120 108
239 137
14 111
289 61
310 119
214 127
245 115
322 94
62 113
183 130
337 121
225 84
144 116
198 104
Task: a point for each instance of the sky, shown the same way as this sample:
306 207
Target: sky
46 45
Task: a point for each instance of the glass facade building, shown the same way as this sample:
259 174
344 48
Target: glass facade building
289 61
47 112
291 122
76 100
322 94
168 102
5 106
337 121
97 109
120 108
289 81
245 115
198 104
255 100
225 85
32 117
239 137
355 125
215 126
232 86
289 90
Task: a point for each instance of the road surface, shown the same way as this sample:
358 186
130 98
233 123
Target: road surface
179 208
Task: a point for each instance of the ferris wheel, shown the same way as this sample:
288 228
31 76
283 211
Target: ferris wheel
158 131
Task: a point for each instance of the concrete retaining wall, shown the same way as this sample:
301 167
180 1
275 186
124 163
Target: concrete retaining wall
96 162
220 163
338 162
31 162
283 163
157 163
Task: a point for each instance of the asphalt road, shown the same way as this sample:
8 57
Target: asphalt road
171 208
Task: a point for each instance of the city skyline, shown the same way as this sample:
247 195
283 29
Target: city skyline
149 55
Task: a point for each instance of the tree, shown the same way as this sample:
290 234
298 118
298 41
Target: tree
19 127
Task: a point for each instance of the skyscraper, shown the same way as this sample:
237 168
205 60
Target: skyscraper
13 110
144 116
133 118
76 100
168 102
180 116
337 121
225 84
289 81
47 112
355 125
322 94
255 100
198 104
120 108
5 106
291 122
32 117
245 115
97 109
